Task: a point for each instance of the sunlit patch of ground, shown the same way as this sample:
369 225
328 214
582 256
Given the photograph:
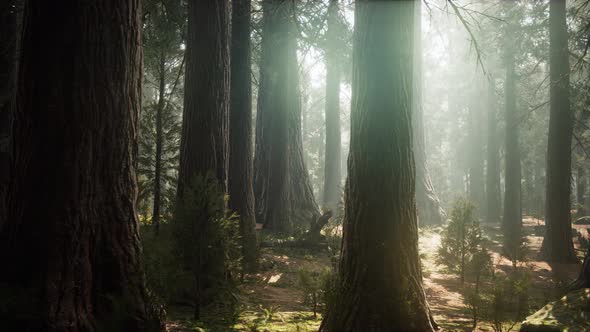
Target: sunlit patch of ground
444 291
275 290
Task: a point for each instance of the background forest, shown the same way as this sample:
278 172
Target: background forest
281 165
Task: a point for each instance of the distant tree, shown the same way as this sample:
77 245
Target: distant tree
557 244
332 169
163 27
476 183
284 197
512 219
71 239
241 193
427 202
380 280
493 159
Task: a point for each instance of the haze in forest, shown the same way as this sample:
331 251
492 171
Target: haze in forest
294 165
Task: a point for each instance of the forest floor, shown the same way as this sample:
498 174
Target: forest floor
272 300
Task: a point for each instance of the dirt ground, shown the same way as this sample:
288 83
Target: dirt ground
275 290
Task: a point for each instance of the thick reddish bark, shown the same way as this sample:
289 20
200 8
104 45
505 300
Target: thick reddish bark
557 244
241 193
72 239
380 281
205 140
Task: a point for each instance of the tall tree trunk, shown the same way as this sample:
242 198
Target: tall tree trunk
557 245
205 120
430 211
8 38
332 171
476 151
159 142
493 159
581 190
380 280
241 193
204 142
72 239
512 221
284 197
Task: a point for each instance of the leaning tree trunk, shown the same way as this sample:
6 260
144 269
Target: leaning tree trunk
332 171
557 245
8 19
284 197
241 194
380 280
72 240
429 208
493 159
512 220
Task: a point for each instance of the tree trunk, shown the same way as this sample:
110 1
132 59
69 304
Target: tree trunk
332 171
476 151
284 197
8 20
581 191
493 160
557 245
159 142
512 221
539 189
241 194
430 211
380 279
205 120
72 239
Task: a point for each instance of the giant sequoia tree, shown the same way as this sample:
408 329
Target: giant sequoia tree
205 120
557 244
72 240
241 194
380 280
202 179
284 197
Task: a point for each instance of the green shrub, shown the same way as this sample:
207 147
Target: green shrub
206 237
318 287
461 239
